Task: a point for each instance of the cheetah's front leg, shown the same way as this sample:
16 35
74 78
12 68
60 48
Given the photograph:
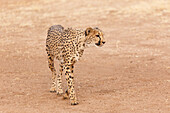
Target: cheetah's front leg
70 83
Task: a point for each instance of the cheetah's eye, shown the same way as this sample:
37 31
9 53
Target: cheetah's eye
97 35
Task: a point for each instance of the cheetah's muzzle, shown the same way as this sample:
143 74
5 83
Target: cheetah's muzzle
99 43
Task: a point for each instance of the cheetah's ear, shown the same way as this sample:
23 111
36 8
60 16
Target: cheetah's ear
88 31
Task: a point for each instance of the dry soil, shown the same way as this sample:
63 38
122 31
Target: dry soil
129 74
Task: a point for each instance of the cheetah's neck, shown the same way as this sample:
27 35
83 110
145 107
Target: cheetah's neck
79 45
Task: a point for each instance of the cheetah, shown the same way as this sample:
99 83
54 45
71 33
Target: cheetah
67 46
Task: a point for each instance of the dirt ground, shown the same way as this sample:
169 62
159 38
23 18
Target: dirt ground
129 74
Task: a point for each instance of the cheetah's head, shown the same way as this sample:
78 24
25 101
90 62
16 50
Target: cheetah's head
94 36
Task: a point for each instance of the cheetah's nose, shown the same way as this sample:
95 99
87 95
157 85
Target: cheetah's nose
103 42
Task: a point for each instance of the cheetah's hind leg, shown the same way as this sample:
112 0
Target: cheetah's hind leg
59 79
53 70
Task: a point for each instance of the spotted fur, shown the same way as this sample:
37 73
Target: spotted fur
67 46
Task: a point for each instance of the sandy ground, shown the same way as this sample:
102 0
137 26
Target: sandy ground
129 74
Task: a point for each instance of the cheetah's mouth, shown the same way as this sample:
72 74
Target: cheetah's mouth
98 44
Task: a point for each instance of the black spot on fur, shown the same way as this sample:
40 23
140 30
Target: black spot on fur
71 77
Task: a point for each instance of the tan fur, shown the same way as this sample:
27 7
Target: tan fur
68 46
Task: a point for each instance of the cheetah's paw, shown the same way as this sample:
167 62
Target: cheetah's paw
60 92
74 102
52 89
